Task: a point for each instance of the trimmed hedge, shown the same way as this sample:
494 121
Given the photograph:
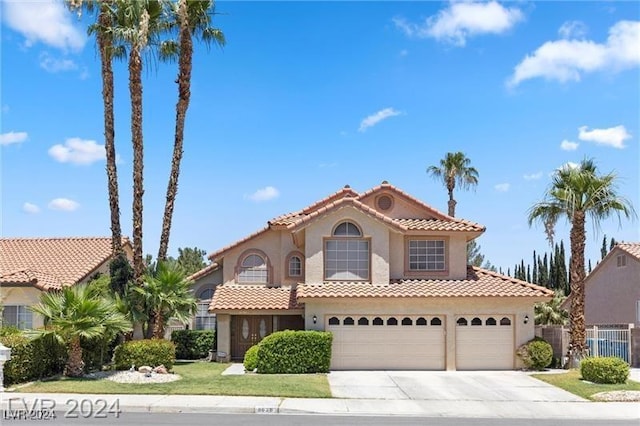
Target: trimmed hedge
151 352
609 370
251 358
32 358
295 352
193 344
536 354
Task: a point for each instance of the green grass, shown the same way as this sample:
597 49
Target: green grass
198 378
571 382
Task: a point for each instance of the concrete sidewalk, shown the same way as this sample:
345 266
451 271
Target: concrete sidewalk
239 404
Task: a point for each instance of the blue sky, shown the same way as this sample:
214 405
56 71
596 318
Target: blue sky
309 96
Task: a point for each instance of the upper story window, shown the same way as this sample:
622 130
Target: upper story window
621 260
346 254
294 266
204 319
427 255
253 269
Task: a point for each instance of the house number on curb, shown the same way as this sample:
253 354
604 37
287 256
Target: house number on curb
266 410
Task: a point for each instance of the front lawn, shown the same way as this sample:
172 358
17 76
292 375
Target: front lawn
198 378
571 382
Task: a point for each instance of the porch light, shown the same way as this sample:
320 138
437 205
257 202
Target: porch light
315 319
526 319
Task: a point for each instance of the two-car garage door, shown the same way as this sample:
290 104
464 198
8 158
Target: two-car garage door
482 342
387 342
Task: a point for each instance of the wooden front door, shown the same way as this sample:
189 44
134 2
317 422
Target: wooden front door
246 331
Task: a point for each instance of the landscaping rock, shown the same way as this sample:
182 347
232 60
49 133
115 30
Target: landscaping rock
145 369
161 369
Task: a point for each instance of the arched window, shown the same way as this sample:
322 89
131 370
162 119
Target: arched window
377 321
476 321
204 319
407 321
462 321
490 321
334 321
436 321
253 269
294 266
347 321
346 254
363 321
392 321
421 321
505 321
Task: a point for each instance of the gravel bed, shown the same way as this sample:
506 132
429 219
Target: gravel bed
134 377
624 396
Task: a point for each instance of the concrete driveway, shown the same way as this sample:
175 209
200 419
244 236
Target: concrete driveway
445 386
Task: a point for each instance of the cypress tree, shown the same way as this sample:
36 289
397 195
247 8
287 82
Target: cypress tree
534 275
603 249
613 243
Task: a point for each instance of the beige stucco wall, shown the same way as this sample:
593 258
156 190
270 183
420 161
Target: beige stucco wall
371 228
22 296
401 208
223 336
450 308
612 292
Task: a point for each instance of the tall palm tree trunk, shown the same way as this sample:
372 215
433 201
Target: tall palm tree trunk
577 275
158 326
75 365
135 90
184 95
452 202
105 45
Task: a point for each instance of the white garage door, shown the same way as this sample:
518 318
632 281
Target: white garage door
484 342
387 342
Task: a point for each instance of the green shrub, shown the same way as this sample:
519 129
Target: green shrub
6 330
151 352
295 352
536 354
32 358
251 358
193 344
609 369
97 352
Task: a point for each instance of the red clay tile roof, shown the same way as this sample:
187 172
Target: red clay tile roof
440 225
260 297
632 248
288 218
479 283
51 263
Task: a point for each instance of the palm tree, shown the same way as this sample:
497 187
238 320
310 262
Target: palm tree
137 24
167 294
575 193
550 313
455 169
102 31
76 313
191 18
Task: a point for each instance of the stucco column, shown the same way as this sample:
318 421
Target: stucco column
224 335
450 343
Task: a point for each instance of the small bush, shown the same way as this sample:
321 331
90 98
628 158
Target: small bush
32 358
7 330
295 352
97 352
536 354
151 352
193 344
251 358
610 370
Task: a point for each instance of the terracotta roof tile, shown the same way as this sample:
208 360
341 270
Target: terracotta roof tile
49 263
632 248
216 254
479 283
204 271
440 225
288 218
239 297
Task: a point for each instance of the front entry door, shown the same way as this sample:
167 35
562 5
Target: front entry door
247 330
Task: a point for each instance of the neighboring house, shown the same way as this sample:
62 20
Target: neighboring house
30 266
381 270
612 289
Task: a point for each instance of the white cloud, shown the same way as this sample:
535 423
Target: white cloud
613 136
63 204
567 165
462 20
44 21
377 117
502 187
13 137
264 194
53 65
30 208
573 29
533 176
567 145
78 151
568 60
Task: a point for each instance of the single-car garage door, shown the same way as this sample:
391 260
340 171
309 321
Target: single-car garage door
400 342
484 342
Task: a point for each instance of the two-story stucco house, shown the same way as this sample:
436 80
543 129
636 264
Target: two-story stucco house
31 266
385 273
